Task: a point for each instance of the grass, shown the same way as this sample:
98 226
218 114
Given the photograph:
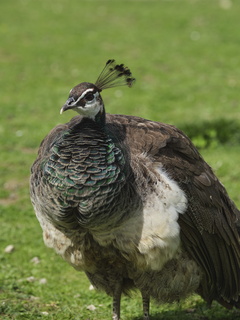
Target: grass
184 55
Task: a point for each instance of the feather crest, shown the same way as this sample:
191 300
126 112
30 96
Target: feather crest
114 75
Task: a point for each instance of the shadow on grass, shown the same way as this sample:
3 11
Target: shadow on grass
200 312
213 133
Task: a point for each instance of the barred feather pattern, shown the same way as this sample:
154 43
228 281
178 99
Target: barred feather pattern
83 174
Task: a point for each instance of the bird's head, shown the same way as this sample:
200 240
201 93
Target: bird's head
85 98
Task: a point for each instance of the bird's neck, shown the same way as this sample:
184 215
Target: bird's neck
100 117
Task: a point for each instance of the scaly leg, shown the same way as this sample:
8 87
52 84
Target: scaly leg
116 302
145 303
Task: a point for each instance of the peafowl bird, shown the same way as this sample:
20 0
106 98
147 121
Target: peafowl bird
132 203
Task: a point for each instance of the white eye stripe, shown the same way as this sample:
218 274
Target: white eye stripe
85 92
96 94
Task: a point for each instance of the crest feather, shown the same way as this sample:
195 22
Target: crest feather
114 75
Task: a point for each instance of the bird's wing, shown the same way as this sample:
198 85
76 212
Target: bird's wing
210 228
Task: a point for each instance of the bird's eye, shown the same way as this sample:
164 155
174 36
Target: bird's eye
89 96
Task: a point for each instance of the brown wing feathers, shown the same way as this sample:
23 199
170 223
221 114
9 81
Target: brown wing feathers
208 228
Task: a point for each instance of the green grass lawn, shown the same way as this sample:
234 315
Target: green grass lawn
185 56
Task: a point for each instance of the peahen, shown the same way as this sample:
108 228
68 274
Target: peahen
133 204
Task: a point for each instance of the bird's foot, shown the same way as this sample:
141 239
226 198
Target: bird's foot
116 302
146 316
145 302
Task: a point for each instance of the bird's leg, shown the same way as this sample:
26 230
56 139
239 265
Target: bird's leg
145 303
116 301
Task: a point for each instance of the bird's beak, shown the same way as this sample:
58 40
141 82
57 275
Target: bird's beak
68 105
